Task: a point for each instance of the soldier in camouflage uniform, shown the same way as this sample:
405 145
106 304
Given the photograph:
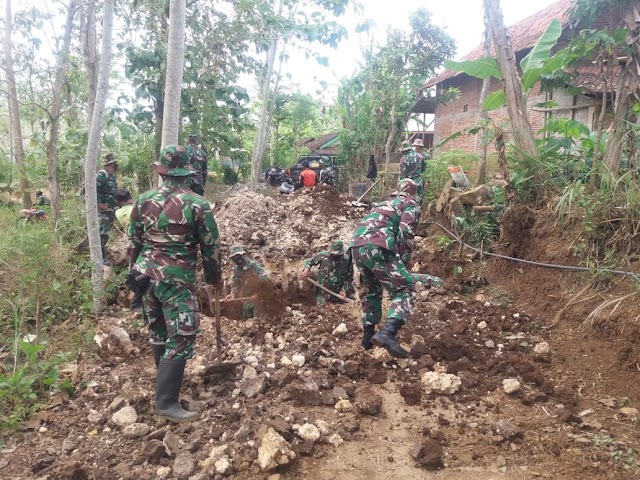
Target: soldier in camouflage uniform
328 175
106 185
167 227
335 272
412 166
248 274
381 249
198 160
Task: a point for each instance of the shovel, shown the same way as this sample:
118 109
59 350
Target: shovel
220 367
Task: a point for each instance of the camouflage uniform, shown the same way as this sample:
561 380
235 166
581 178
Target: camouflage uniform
328 177
198 161
167 226
381 246
106 184
412 166
245 272
335 271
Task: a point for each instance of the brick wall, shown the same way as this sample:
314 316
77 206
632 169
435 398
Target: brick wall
464 112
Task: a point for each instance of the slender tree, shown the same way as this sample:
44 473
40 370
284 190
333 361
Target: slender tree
484 114
54 112
93 152
14 108
175 70
88 39
524 139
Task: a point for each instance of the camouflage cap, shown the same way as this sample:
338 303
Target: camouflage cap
418 142
109 158
405 146
406 187
174 162
236 250
337 248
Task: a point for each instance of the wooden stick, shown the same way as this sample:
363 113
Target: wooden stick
313 282
368 190
242 299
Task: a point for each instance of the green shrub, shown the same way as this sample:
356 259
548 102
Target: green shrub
437 175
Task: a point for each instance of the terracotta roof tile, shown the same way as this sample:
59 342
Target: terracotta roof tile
523 34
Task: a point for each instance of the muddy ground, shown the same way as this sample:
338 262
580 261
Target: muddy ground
349 414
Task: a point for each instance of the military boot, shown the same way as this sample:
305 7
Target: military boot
367 333
158 351
168 382
386 338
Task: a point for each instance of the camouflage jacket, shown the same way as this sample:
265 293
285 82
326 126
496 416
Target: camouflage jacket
412 166
166 227
328 176
198 160
107 184
243 272
334 271
391 225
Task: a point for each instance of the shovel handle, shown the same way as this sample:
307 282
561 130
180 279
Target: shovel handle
345 299
218 326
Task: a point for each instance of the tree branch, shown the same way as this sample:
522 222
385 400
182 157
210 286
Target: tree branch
28 103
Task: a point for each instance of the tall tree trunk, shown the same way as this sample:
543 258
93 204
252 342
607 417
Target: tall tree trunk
272 108
14 108
52 145
387 148
613 150
93 152
88 39
523 137
484 115
261 137
175 70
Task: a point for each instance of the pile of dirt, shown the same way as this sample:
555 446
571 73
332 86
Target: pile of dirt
274 227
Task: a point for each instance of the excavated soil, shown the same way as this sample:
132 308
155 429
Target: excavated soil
572 416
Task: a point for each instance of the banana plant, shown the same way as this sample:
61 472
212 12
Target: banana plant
537 63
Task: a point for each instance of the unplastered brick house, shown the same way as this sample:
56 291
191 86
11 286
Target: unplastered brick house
464 111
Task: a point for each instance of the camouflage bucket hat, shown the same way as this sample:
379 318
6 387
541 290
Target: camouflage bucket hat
109 158
337 248
418 142
405 146
174 161
236 250
406 187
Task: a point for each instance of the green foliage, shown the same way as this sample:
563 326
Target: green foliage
24 389
478 229
372 102
437 175
229 175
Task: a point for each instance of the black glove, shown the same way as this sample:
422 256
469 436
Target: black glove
137 282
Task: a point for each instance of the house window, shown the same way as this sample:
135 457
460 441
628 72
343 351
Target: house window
465 107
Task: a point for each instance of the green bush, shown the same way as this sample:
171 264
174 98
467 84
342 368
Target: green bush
229 175
437 175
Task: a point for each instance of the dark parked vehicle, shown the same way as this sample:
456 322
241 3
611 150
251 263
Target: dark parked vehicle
314 164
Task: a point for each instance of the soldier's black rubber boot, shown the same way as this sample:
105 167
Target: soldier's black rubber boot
158 351
168 382
367 333
386 338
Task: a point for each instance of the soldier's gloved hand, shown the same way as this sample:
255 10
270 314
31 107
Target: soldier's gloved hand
342 295
231 296
304 274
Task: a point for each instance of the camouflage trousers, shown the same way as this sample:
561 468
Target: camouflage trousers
382 269
105 220
172 314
